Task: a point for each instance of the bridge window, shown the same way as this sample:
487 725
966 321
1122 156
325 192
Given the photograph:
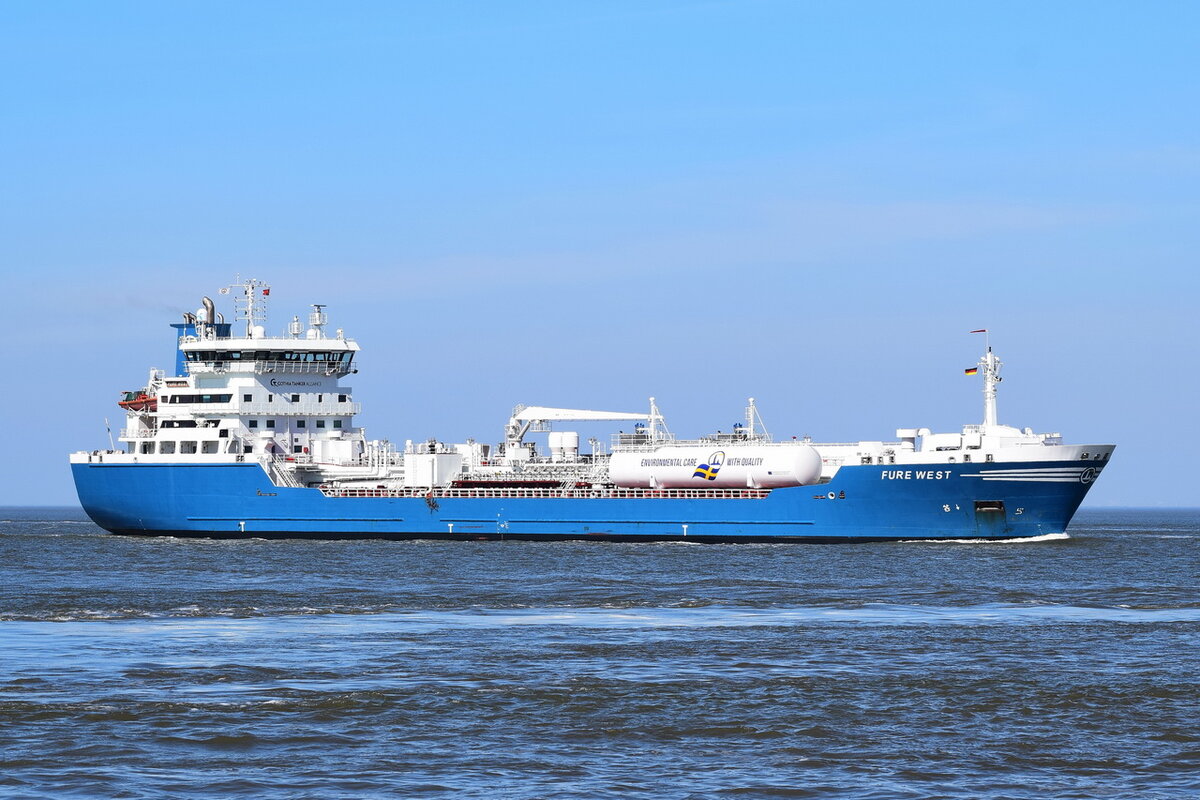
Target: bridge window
187 448
320 423
199 398
247 398
270 423
166 448
300 423
251 423
337 423
267 355
295 398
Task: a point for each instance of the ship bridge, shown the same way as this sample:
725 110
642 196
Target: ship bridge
265 356
208 344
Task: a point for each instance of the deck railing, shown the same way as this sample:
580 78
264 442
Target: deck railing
572 494
312 409
274 367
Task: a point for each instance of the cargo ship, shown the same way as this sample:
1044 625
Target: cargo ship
253 435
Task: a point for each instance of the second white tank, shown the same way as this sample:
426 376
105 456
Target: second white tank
717 467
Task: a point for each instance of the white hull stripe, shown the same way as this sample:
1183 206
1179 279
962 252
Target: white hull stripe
1031 478
1040 475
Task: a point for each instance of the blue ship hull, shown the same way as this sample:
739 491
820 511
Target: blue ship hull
862 503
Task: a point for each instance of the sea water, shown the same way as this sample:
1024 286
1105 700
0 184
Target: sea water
1062 667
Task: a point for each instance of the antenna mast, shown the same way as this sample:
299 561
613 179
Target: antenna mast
754 422
990 365
251 304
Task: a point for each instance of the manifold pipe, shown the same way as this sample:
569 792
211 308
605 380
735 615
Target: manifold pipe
210 311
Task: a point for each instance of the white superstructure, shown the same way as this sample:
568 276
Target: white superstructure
240 394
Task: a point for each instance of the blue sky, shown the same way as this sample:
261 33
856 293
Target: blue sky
585 204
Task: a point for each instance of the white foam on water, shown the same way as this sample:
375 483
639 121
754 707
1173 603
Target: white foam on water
1045 537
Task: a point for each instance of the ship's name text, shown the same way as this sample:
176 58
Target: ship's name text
918 474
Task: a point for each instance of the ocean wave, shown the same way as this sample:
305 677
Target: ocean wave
638 617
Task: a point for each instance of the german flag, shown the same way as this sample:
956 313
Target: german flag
971 371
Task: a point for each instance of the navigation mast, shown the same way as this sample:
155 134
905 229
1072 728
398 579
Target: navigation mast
990 365
251 304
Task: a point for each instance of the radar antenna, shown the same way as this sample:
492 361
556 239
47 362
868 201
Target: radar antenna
318 319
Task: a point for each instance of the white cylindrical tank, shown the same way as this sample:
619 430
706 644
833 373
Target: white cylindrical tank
564 445
717 467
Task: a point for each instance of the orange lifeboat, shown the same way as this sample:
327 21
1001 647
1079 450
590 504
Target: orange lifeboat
138 401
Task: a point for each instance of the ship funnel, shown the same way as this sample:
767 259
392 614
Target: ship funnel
210 311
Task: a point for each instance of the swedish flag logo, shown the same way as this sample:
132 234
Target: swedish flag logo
709 471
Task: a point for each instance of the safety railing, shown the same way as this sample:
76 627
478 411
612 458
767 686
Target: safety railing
281 406
274 367
279 473
574 493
